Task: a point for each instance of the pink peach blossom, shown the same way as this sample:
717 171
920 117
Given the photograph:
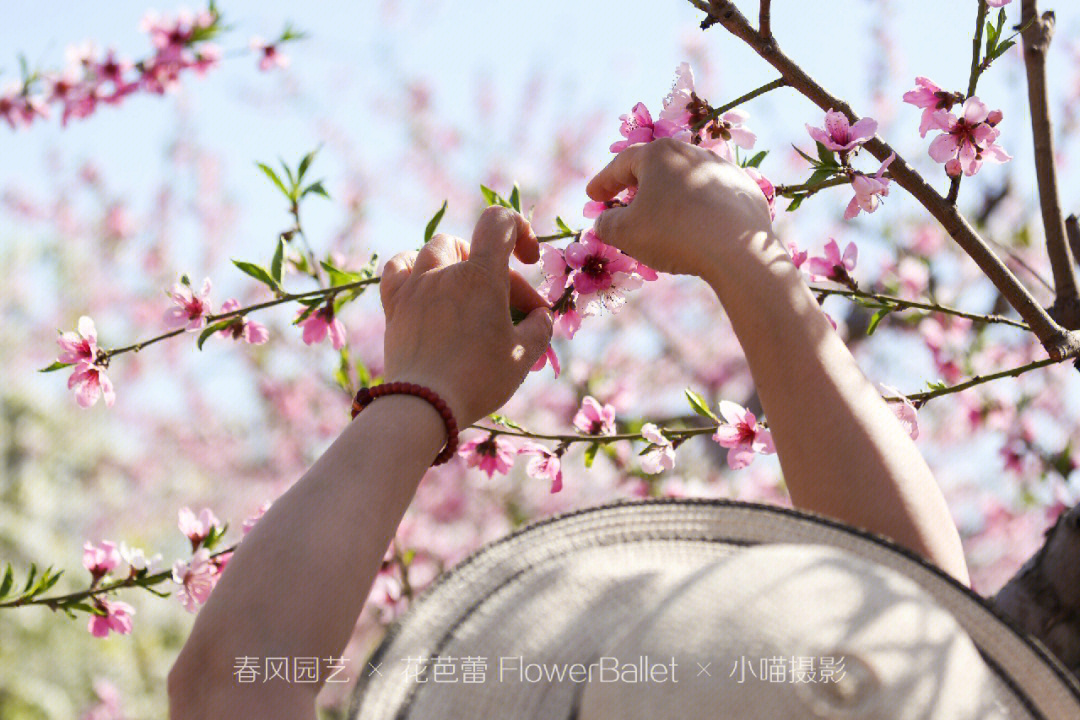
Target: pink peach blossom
492 454
595 419
197 529
932 100
545 465
869 189
191 307
80 346
253 519
969 140
549 356
240 328
100 559
742 435
839 135
662 456
322 324
767 189
117 618
270 56
89 382
196 579
598 266
831 265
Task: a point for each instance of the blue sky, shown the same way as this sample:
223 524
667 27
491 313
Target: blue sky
595 55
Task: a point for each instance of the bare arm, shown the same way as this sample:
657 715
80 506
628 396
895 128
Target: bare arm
296 584
843 452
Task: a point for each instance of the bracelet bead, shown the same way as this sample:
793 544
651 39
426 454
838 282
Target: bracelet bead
365 396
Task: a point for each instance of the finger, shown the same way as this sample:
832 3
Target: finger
524 296
527 247
396 271
534 336
440 251
497 234
620 173
615 227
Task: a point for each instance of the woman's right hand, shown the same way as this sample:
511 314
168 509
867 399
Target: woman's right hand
694 212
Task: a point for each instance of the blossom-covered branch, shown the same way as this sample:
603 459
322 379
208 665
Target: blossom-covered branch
1057 341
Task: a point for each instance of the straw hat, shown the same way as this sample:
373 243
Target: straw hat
705 609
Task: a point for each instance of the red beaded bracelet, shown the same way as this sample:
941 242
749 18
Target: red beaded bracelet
365 395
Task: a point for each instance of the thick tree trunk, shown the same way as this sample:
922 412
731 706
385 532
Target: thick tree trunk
1043 597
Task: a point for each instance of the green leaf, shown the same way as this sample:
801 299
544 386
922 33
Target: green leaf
307 313
561 224
590 454
515 198
305 163
5 584
936 386
827 156
795 203
55 366
1003 48
698 404
47 581
30 578
259 273
756 160
274 177
490 195
341 374
288 173
211 329
79 606
433 223
806 157
877 318
275 264
316 188
363 375
506 422
820 175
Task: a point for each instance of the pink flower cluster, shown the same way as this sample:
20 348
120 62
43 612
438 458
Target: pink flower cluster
198 576
585 277
88 380
191 309
90 77
100 560
966 141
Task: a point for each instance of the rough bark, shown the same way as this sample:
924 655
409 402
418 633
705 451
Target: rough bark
1043 597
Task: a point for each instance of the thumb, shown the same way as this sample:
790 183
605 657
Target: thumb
534 335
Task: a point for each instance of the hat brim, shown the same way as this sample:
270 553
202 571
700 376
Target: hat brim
697 527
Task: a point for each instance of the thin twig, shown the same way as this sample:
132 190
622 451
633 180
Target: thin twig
901 304
765 19
714 113
240 312
1037 34
1058 342
973 80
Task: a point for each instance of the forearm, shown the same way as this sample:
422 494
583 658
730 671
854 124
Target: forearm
297 583
842 450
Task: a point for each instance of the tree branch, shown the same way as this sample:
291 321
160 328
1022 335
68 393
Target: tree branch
765 19
1058 342
1072 231
1037 33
